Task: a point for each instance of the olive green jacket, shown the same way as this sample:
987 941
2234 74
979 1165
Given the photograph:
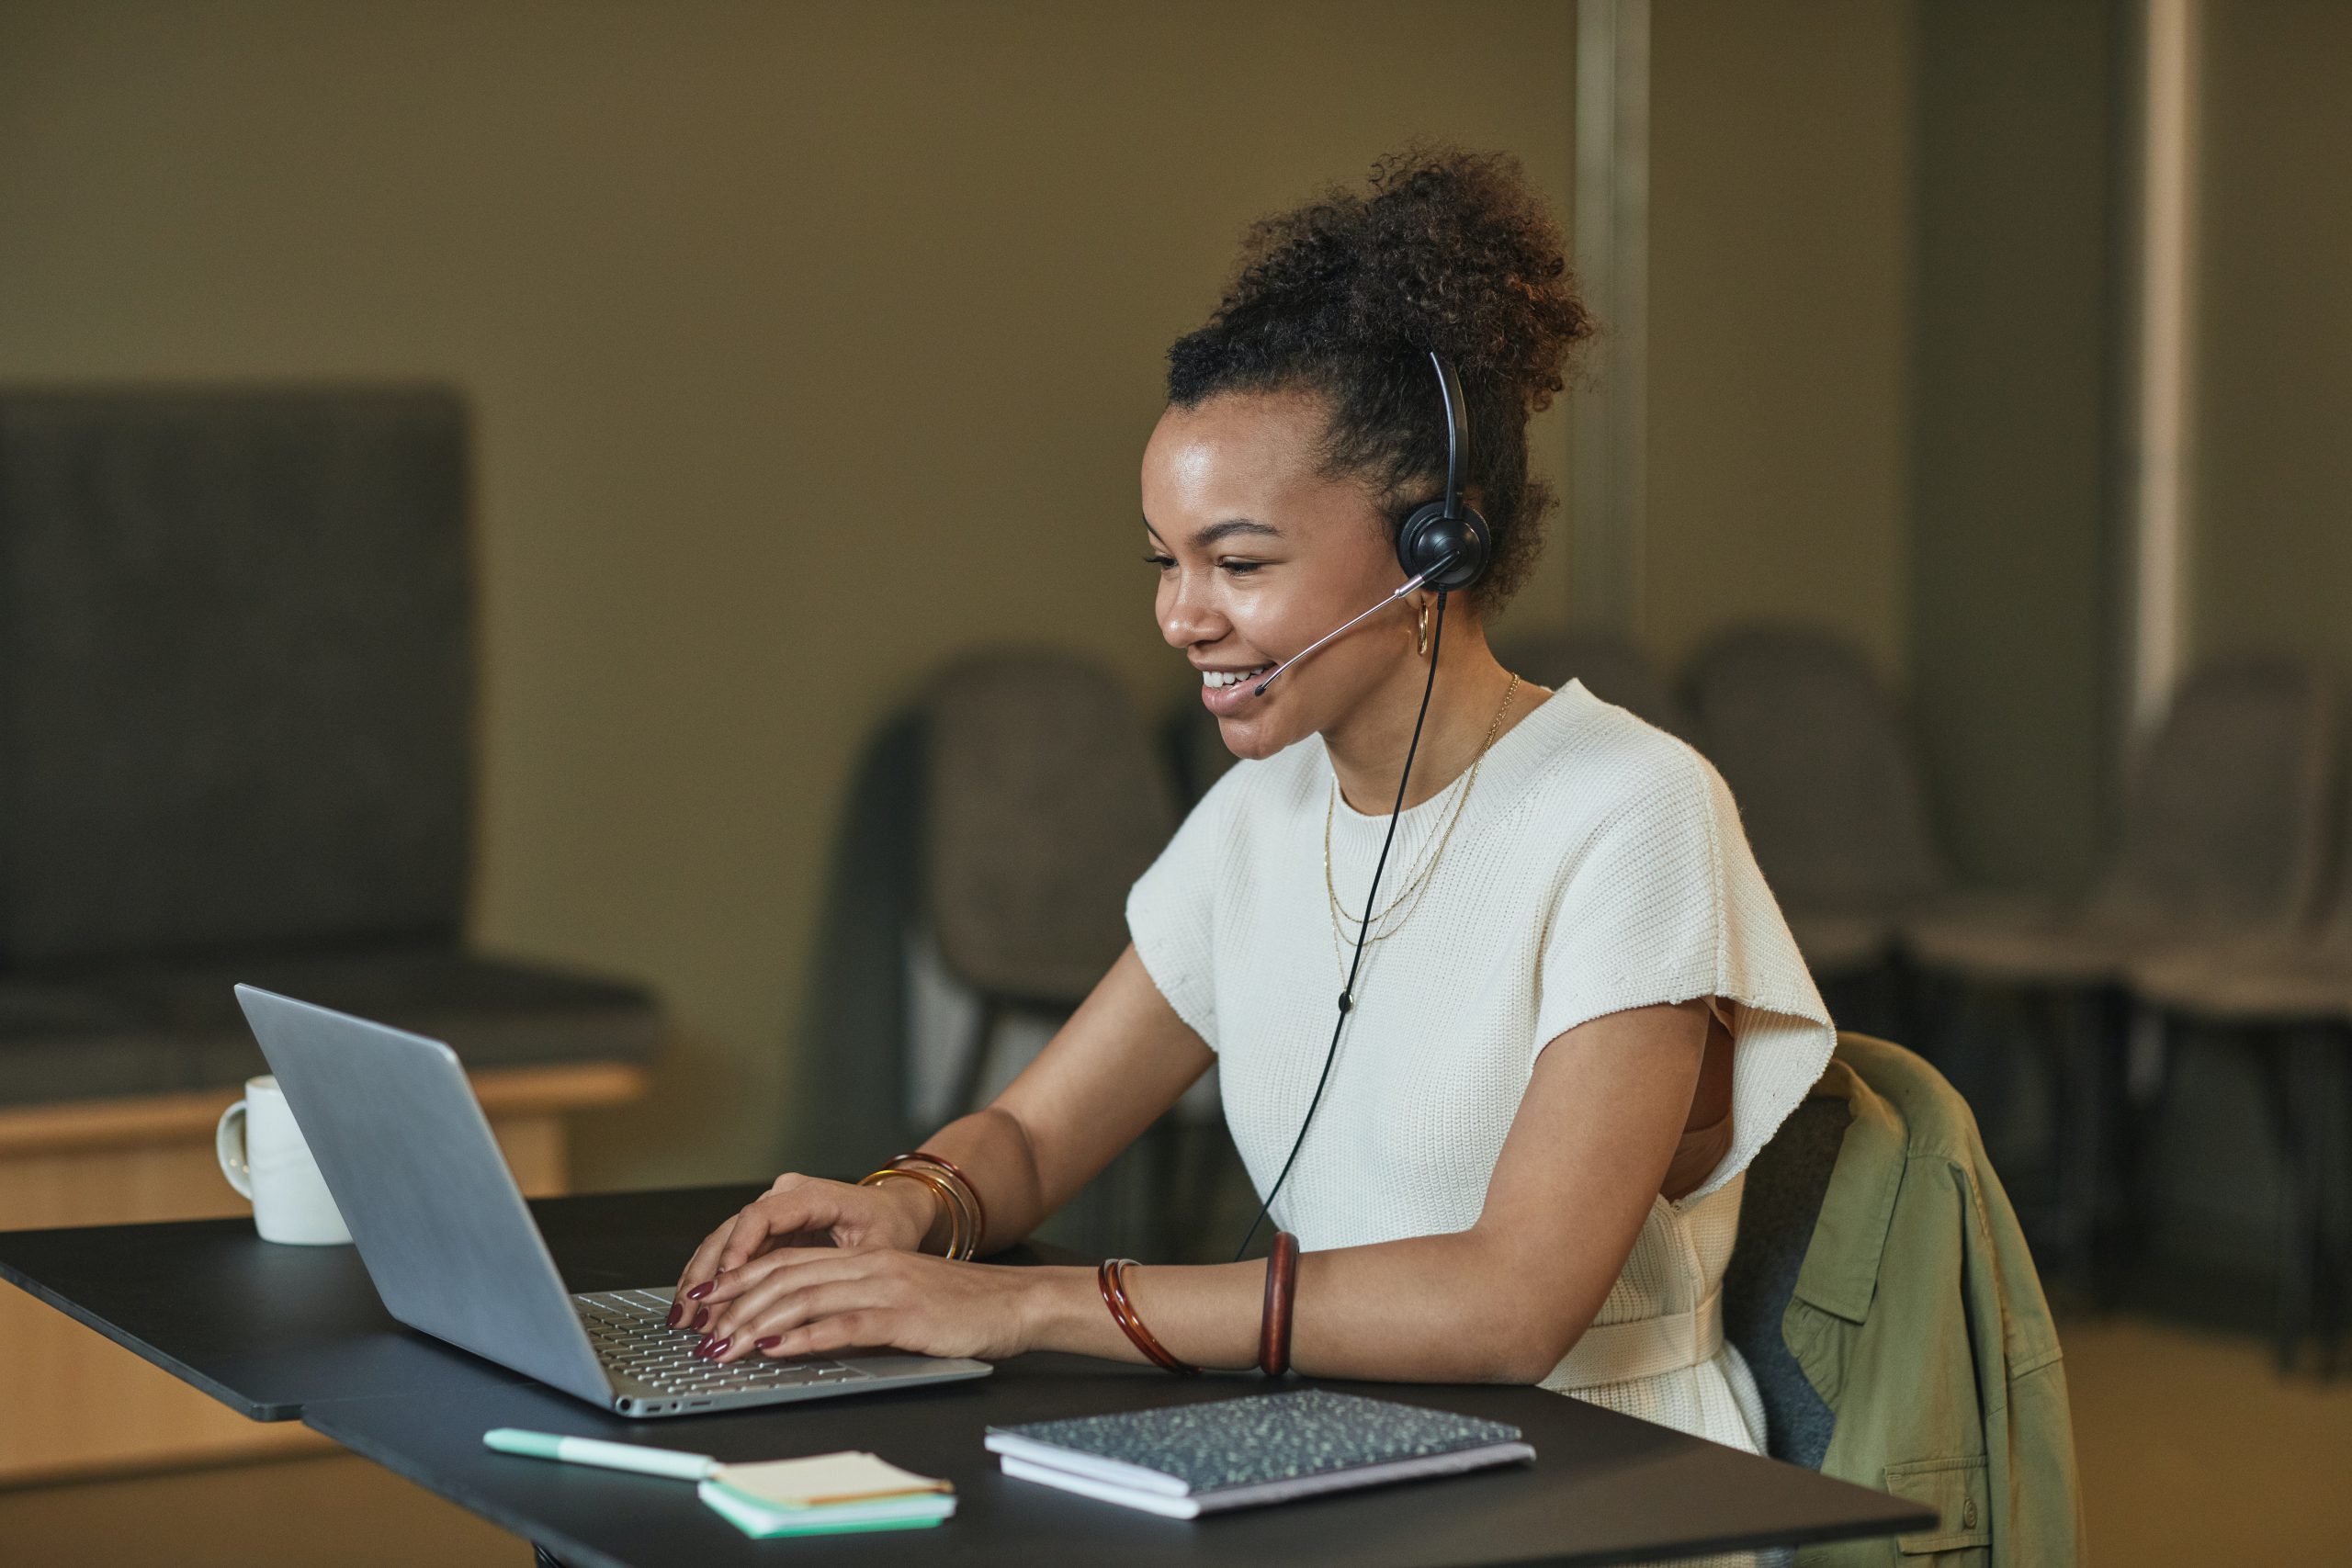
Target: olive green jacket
1918 1318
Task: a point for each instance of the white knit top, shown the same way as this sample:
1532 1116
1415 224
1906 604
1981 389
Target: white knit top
1598 864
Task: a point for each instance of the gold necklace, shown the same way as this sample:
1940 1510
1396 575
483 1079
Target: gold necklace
1424 859
1424 863
1426 866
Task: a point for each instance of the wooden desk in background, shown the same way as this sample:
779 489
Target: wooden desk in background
74 1405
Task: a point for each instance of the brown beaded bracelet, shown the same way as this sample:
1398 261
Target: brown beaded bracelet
1282 1289
1109 1280
979 1210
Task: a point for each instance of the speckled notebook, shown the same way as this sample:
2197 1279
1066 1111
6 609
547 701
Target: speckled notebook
1186 1460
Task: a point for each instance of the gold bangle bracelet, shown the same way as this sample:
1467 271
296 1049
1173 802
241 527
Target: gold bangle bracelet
963 1185
940 1193
960 1199
959 1189
966 1210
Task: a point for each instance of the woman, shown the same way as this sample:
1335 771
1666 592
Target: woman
1580 1012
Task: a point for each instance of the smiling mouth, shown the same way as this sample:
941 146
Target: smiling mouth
1214 678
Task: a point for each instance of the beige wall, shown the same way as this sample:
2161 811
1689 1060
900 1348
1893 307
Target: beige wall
2012 585
808 344
2274 426
1779 306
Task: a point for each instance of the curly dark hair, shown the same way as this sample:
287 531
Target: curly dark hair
1345 297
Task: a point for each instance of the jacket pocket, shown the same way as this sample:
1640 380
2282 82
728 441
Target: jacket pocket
1958 1490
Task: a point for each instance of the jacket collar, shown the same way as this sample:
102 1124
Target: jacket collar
1839 1274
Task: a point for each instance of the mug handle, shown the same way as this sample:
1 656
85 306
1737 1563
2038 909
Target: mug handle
229 1145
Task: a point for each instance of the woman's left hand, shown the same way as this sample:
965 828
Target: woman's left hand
802 1301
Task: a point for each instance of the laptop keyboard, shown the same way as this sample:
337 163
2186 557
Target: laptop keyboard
633 1338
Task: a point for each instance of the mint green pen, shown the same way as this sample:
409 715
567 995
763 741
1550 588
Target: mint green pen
593 1450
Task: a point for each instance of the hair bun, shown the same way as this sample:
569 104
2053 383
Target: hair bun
1447 250
1347 295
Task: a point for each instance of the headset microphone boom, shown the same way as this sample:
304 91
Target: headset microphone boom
1443 544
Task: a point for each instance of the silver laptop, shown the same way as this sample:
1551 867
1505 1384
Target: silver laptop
452 1248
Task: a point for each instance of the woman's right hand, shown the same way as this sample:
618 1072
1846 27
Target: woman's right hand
808 1210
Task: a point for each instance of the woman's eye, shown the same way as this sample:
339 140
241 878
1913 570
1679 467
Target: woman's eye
1162 563
1240 567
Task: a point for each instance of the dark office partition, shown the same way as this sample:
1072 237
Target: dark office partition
237 688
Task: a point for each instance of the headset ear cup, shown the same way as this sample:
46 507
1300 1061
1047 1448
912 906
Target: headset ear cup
1428 537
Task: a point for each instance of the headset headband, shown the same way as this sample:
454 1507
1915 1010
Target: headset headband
1457 433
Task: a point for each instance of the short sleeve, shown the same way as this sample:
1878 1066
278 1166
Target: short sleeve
1172 909
1665 904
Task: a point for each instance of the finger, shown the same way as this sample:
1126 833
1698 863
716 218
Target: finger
862 1328
739 1238
699 1270
779 1284
774 1216
731 1285
705 1271
702 1261
816 1303
746 1234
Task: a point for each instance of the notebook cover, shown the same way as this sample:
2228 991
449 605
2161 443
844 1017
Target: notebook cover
1266 1437
1195 1504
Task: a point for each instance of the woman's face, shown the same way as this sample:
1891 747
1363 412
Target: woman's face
1258 556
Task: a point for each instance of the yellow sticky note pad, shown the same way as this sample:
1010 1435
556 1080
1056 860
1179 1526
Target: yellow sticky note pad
825 1480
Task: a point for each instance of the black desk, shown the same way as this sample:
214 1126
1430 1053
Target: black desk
296 1333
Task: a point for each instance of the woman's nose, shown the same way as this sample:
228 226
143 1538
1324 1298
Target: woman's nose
1185 616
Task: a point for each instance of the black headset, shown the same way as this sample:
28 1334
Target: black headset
1448 546
1446 543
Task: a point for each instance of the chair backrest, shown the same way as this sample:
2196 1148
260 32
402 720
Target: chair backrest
236 670
1611 668
1786 1182
1814 752
2227 806
1046 797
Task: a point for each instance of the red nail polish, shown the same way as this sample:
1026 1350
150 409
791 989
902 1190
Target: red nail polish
769 1343
701 1313
677 1311
720 1348
699 1291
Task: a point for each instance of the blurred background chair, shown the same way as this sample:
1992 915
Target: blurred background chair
1045 794
2223 832
1611 668
2283 1001
1830 792
1045 799
237 743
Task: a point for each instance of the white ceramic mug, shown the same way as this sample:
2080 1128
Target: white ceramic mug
263 1156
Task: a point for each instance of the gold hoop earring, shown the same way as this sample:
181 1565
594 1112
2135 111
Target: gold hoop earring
1421 631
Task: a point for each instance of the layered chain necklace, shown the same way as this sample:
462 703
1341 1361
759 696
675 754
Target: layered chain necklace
1417 880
